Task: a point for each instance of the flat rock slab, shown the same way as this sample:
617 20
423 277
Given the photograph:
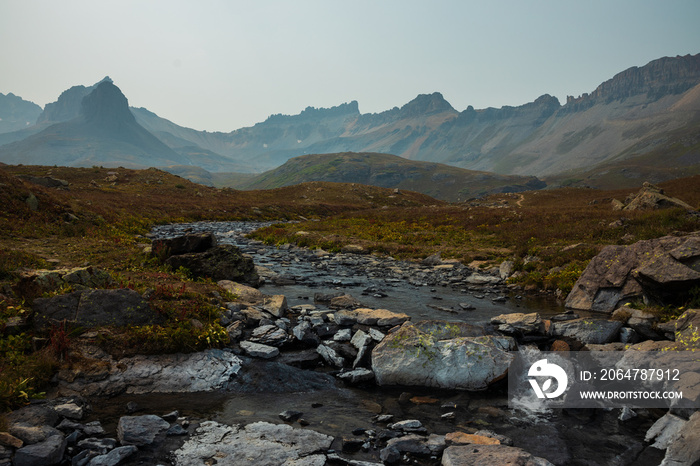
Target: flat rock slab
379 317
490 455
259 350
259 444
588 331
519 322
170 373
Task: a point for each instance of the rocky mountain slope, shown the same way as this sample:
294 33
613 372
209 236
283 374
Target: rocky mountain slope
628 121
390 171
628 116
16 113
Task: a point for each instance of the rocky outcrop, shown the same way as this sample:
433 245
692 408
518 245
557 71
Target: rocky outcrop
650 197
37 282
93 308
663 270
441 355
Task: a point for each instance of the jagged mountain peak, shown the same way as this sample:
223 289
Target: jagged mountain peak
68 104
106 105
426 104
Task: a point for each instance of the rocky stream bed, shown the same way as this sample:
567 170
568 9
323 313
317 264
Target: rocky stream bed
346 359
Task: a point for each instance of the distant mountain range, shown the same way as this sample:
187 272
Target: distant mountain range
642 123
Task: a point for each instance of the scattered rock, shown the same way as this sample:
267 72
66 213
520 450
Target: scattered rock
518 323
588 331
276 305
114 457
270 335
379 317
140 430
258 350
244 293
44 453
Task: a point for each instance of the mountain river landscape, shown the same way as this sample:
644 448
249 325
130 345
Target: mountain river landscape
573 436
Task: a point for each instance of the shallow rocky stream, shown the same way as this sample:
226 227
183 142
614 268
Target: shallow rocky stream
578 437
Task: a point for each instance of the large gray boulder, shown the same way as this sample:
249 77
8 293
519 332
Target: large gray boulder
45 453
260 443
94 308
442 355
140 430
225 262
195 242
662 269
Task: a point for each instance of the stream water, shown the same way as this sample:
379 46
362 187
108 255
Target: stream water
564 437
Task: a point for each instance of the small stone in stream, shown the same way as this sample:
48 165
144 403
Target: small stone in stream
449 405
344 334
171 417
114 457
467 306
303 422
176 429
93 428
423 400
408 424
385 418
390 455
626 414
72 438
448 416
405 397
351 445
132 407
100 446
290 415
69 410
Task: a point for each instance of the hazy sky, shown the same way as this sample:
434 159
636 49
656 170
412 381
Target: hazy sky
220 65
